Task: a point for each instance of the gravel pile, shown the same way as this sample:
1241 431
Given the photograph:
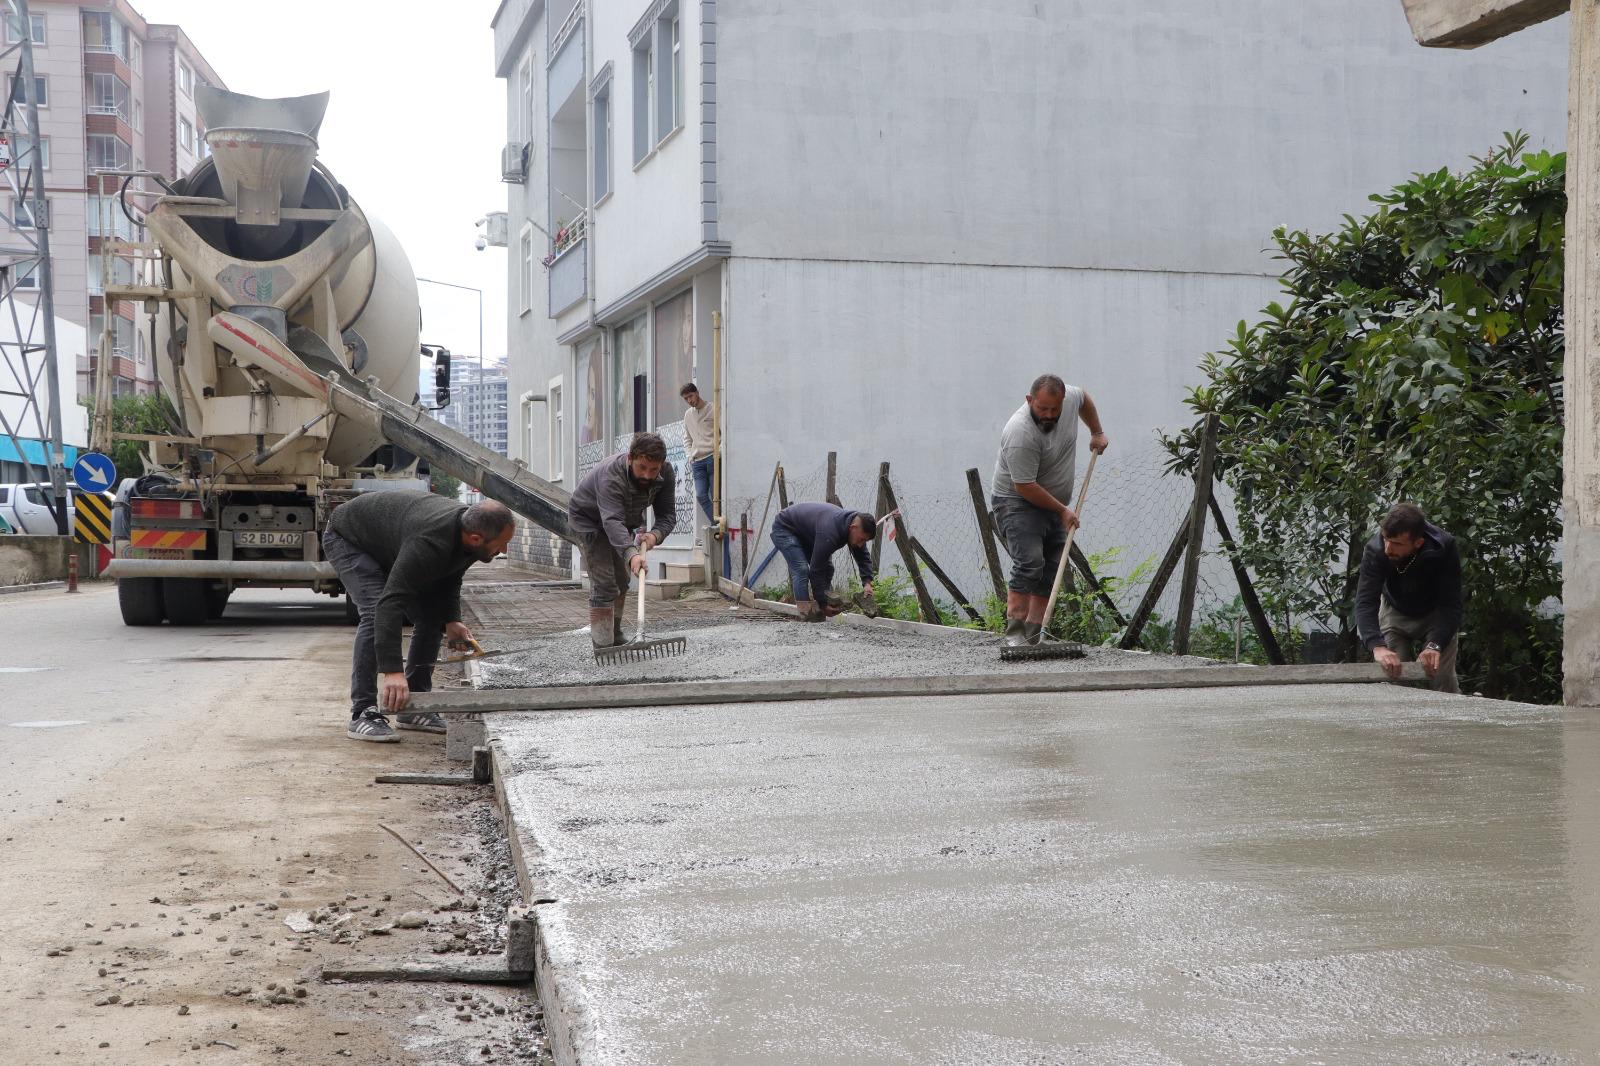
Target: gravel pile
789 650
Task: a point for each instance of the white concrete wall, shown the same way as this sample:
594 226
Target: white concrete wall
929 207
1165 134
652 218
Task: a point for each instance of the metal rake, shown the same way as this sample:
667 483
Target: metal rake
640 647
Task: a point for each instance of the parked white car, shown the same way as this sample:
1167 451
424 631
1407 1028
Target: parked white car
24 509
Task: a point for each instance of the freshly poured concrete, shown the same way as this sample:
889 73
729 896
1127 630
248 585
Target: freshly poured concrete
769 651
1344 874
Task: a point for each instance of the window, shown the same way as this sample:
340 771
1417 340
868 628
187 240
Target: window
23 148
108 152
630 377
657 81
26 273
588 368
138 117
102 33
22 213
602 142
524 123
186 134
674 354
674 108
525 247
41 90
185 79
553 402
643 72
136 55
108 95
14 29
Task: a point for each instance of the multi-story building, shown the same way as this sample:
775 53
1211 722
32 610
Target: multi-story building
477 402
904 217
116 95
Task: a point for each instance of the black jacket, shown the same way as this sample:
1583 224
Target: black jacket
416 538
1431 582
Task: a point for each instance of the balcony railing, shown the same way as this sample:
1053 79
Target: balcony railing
569 277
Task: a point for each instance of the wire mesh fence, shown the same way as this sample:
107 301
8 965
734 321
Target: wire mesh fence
1131 515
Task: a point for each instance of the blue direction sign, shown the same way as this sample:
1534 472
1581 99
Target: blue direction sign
94 472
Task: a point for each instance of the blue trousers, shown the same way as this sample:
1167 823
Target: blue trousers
794 553
701 469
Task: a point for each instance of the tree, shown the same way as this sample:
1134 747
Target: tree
1418 356
445 484
149 413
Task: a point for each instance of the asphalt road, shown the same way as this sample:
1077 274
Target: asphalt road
81 691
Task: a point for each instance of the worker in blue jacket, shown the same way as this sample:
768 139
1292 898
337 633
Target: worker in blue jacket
808 534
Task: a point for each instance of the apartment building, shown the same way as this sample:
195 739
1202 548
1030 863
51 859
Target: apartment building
116 95
904 216
477 403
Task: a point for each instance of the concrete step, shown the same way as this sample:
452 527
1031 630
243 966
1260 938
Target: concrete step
689 573
664 590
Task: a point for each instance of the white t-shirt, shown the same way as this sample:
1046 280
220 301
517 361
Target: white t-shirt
1028 453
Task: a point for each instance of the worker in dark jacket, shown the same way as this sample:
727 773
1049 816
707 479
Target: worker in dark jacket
606 511
1409 595
399 555
807 535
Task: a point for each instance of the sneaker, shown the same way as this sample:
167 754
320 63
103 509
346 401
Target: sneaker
430 722
370 725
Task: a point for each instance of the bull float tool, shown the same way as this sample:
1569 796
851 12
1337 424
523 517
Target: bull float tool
1062 650
640 647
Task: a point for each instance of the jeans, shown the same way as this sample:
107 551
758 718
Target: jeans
701 469
363 581
1406 635
799 560
1034 539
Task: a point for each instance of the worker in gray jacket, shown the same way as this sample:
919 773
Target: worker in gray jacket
606 511
399 555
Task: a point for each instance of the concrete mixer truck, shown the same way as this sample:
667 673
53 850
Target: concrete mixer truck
286 337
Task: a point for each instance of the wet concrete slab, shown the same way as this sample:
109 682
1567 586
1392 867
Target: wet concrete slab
1337 874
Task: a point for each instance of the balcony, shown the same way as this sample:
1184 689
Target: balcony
569 277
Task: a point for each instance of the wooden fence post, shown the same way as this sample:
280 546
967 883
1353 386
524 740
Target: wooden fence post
880 509
980 508
1247 590
1158 585
930 612
1197 534
944 579
783 490
831 492
1081 561
744 545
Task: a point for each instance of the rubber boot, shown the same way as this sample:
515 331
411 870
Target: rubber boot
618 610
602 627
1032 632
808 610
1014 637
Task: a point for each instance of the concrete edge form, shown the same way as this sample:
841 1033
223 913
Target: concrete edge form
746 598
594 697
567 1021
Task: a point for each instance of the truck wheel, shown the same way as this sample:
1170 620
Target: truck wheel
216 600
141 601
186 600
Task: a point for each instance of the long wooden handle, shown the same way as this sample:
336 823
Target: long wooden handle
639 632
1066 550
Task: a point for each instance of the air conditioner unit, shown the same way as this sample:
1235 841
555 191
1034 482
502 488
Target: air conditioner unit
514 163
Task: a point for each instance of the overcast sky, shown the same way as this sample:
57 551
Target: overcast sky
414 127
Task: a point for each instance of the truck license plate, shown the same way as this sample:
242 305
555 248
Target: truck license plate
266 538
